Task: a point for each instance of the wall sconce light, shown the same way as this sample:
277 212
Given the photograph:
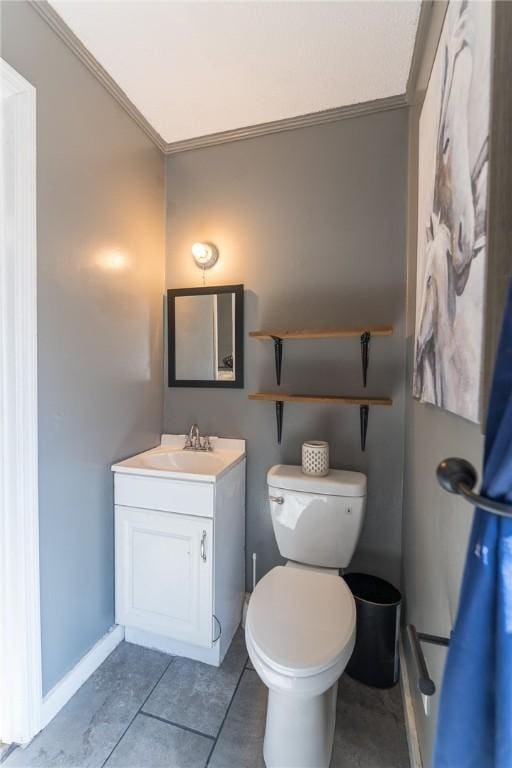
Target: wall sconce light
205 255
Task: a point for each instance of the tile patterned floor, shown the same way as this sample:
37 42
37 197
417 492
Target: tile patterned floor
144 709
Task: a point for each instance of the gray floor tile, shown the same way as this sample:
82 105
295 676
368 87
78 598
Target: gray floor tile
150 743
86 730
197 695
102 722
370 730
383 701
240 744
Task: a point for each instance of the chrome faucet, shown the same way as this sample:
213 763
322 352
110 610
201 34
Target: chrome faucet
194 436
194 442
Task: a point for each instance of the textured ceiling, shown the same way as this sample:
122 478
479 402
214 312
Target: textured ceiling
197 68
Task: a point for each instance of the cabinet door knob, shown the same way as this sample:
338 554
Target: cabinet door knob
203 547
276 499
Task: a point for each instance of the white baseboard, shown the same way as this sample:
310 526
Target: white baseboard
70 683
411 729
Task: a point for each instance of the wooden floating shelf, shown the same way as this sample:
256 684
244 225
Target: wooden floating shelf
364 332
364 403
323 333
282 397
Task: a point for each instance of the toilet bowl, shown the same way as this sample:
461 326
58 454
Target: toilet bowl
301 621
300 633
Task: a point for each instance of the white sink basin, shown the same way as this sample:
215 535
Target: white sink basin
184 461
170 460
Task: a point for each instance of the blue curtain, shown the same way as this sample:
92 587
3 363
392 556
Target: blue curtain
475 717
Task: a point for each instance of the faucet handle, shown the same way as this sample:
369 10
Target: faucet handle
206 444
188 442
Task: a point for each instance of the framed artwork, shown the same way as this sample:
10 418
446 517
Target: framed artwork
452 214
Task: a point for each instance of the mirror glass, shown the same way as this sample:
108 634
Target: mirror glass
205 345
203 336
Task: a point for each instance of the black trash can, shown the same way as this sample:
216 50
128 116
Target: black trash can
375 659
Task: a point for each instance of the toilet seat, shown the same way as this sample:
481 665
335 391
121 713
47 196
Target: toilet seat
301 623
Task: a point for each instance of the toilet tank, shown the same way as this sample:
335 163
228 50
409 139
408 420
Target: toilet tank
317 520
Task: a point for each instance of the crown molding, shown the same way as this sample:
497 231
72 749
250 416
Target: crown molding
429 28
418 48
52 18
288 124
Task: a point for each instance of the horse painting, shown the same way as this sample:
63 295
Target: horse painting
454 129
447 372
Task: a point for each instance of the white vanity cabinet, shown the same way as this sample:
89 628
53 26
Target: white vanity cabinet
165 574
179 547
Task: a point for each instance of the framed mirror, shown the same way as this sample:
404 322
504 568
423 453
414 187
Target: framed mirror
206 336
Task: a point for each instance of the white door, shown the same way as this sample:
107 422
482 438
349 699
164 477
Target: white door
164 574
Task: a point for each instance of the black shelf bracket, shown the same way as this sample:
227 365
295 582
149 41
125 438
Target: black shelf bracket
365 350
365 355
278 354
364 411
279 420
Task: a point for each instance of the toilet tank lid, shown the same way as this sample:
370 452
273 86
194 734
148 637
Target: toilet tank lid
339 482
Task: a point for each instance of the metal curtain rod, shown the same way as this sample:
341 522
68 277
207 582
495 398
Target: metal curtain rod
459 476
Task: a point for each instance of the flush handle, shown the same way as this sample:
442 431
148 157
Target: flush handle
277 499
203 547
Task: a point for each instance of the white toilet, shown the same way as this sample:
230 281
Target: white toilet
300 627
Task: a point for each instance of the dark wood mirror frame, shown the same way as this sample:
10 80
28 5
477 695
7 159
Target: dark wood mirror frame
172 294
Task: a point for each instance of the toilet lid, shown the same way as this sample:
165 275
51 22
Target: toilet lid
301 621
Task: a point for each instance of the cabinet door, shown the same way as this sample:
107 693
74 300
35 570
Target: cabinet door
164 574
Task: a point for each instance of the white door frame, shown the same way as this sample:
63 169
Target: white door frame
20 621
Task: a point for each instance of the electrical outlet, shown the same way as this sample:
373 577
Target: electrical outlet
426 704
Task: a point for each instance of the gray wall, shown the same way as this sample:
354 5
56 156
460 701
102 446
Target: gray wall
436 525
312 221
100 185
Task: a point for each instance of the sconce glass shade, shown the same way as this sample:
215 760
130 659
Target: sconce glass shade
205 254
